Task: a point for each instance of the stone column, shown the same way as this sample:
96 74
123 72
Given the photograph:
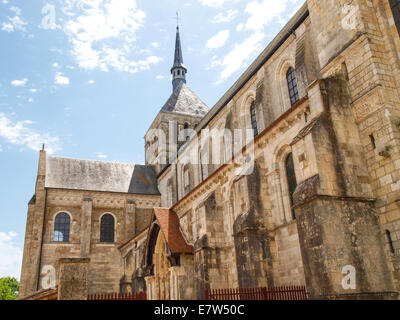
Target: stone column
73 279
86 227
150 285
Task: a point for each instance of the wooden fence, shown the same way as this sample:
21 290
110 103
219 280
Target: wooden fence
273 293
118 296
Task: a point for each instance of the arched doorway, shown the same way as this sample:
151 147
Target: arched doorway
161 268
166 248
158 285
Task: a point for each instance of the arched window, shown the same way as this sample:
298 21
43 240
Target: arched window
292 86
395 5
107 228
186 179
291 178
61 227
253 118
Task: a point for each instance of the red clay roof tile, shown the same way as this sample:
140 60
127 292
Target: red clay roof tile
169 224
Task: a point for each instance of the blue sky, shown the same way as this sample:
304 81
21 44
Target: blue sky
87 78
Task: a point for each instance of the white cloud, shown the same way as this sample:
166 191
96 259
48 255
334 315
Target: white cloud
103 32
240 27
212 3
14 23
91 82
262 13
7 27
20 134
227 17
33 90
101 155
155 44
1 149
218 40
30 100
19 83
16 10
61 79
160 77
10 256
55 65
239 56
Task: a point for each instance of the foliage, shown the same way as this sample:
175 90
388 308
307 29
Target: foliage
9 288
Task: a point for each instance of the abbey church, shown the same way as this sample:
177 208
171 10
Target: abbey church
301 188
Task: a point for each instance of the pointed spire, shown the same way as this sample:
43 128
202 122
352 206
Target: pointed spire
178 61
178 70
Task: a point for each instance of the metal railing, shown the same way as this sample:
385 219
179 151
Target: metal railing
273 293
118 296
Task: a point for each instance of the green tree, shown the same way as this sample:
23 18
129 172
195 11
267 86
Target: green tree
9 288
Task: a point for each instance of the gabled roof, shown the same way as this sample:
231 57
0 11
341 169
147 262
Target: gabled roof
183 100
169 224
75 174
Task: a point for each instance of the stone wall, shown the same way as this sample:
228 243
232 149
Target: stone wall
328 133
73 281
132 215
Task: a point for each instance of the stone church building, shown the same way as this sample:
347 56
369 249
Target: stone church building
312 199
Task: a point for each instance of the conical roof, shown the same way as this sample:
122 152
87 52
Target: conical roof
178 59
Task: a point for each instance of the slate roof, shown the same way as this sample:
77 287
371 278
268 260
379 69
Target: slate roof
169 224
183 100
178 58
75 174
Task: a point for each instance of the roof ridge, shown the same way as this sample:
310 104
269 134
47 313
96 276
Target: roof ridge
99 161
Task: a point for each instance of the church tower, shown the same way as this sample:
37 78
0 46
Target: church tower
183 111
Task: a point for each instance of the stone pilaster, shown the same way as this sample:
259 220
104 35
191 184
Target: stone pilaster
130 219
86 227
